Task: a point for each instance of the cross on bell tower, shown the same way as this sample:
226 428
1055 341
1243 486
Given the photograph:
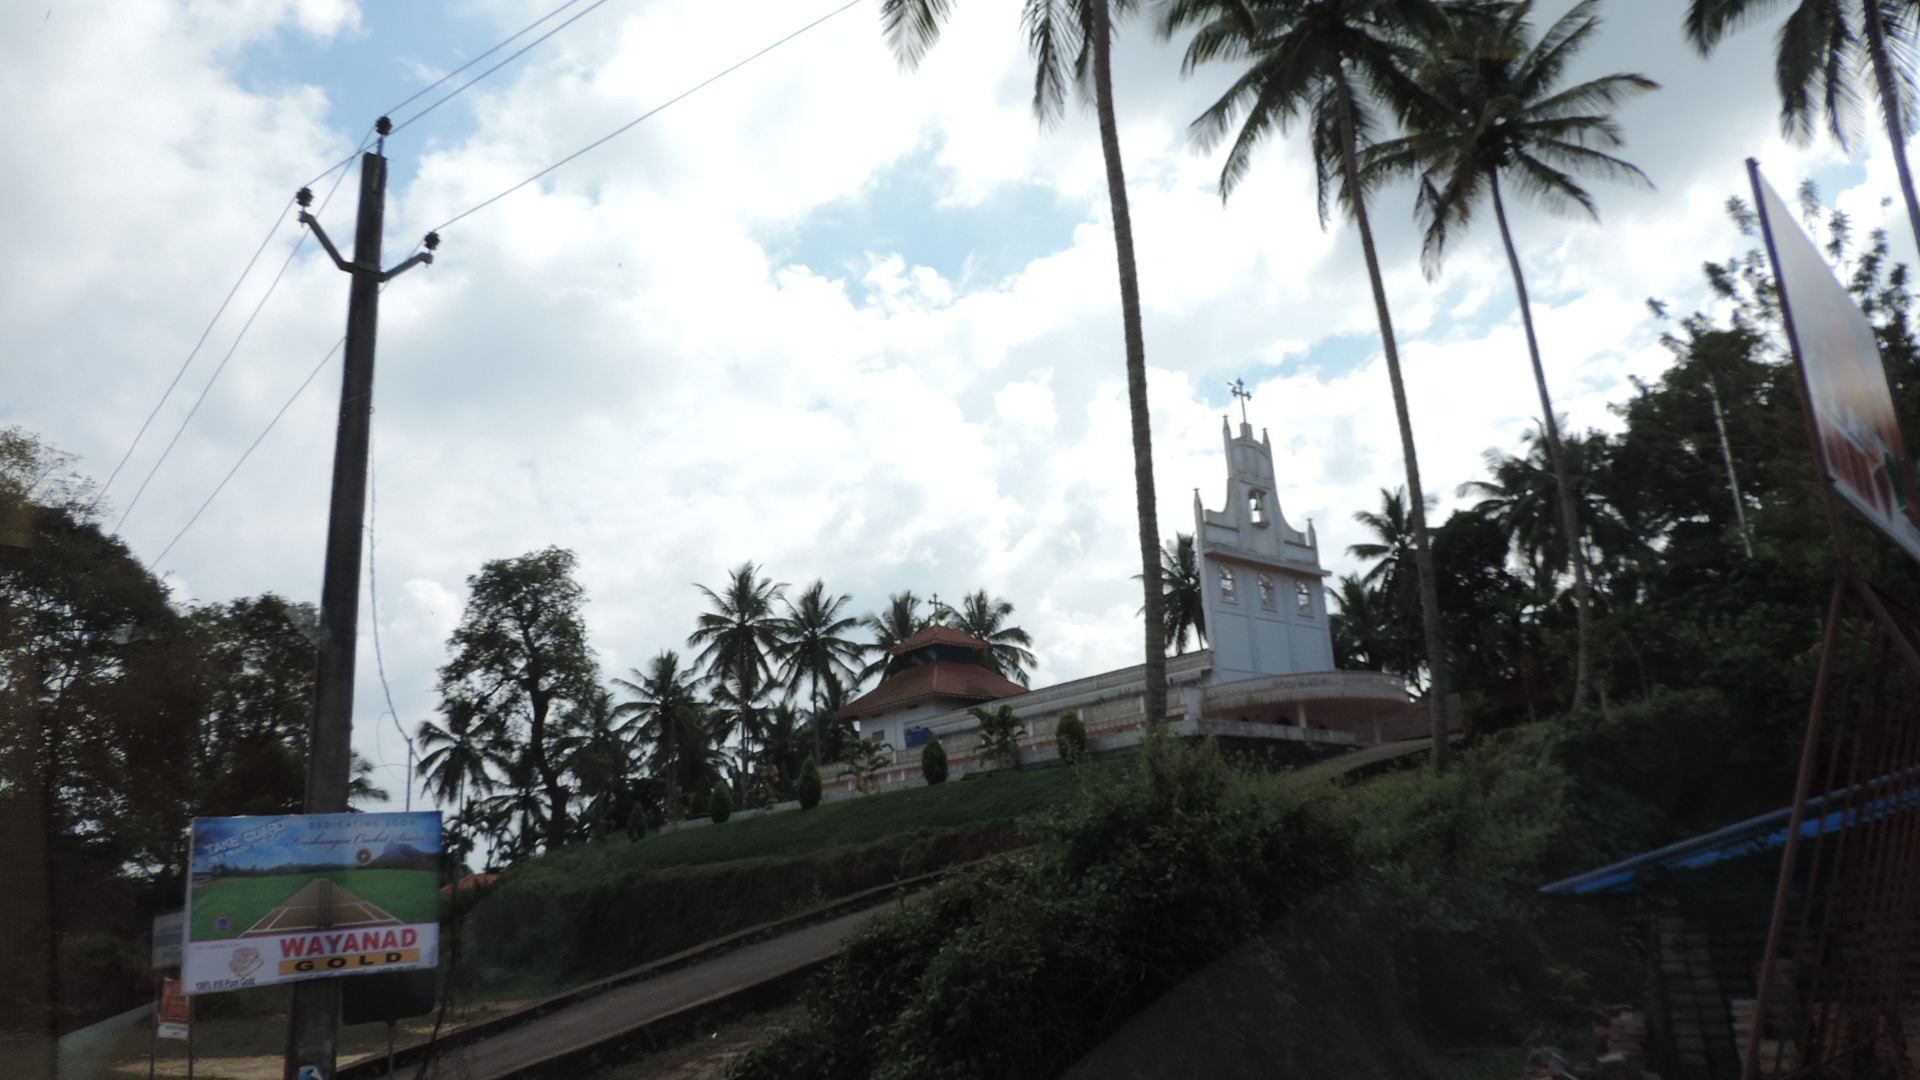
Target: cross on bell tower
1239 389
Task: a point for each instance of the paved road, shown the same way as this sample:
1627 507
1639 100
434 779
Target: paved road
617 1010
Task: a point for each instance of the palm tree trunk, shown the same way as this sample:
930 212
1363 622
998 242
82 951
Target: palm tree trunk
1422 550
1569 516
1890 108
1101 28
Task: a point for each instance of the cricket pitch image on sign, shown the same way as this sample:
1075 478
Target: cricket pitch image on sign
276 899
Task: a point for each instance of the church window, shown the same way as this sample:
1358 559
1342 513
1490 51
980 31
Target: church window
1226 583
1257 507
1266 591
1304 597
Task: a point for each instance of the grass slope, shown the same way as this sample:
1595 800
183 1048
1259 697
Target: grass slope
859 820
592 909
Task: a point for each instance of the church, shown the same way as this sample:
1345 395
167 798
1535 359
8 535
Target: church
1265 683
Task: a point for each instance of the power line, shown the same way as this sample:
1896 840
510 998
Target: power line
195 351
250 449
517 54
373 603
231 349
423 91
624 128
281 220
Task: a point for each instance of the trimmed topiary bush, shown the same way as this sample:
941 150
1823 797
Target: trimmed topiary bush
808 787
933 762
1070 735
720 803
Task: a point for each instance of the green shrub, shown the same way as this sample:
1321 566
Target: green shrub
1070 735
933 762
1155 873
720 803
808 789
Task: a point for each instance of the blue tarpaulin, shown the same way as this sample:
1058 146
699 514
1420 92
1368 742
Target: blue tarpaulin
1768 832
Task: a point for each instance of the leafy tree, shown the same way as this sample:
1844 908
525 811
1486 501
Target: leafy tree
899 621
1493 107
1000 732
1819 61
675 728
808 789
99 705
985 617
737 637
1337 65
814 650
255 672
521 650
720 803
1071 42
1184 608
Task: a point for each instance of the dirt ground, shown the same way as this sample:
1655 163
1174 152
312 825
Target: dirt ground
253 1047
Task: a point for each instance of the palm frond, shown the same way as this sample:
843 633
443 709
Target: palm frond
912 26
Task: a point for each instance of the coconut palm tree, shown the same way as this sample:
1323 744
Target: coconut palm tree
986 617
900 621
1393 581
738 637
1071 41
458 756
1184 610
1336 66
674 726
814 650
1493 110
1824 48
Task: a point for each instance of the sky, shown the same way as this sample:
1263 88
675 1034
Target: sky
843 319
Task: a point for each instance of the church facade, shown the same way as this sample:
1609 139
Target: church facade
1265 682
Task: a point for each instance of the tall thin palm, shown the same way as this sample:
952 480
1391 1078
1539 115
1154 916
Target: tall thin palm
1823 48
673 728
985 617
1334 65
738 637
1494 109
814 650
1071 41
900 620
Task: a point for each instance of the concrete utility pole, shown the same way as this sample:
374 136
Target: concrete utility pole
315 1022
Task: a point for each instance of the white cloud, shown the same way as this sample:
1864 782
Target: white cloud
612 360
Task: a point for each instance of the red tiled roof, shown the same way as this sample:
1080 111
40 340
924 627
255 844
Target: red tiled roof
963 683
936 635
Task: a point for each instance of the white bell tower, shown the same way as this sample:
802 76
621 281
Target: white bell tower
1261 579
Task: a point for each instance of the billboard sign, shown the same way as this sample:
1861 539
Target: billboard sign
1860 448
166 939
173 1016
279 899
